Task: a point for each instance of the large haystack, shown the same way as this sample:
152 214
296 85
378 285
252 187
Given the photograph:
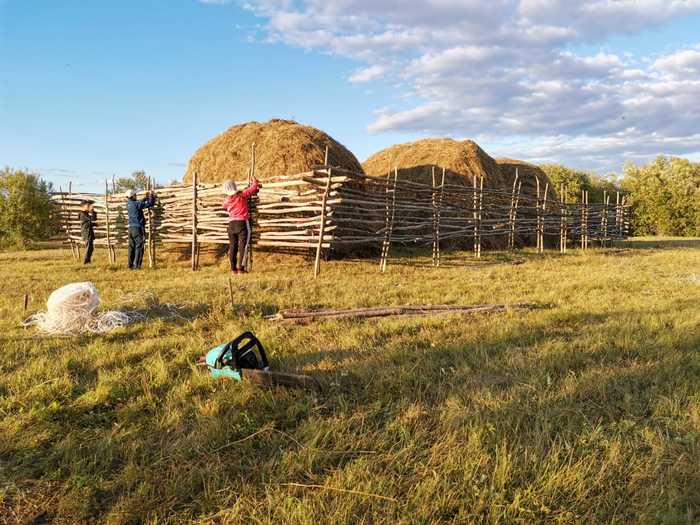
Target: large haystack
415 161
283 147
527 173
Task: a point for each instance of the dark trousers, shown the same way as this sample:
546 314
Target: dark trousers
136 241
89 247
237 238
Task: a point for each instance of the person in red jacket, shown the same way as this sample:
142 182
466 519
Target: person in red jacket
236 204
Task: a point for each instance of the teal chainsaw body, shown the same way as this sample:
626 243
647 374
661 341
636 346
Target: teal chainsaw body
228 359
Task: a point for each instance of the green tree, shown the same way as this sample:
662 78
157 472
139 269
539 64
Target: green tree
137 181
25 208
664 196
576 181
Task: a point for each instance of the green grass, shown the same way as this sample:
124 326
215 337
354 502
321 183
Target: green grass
584 411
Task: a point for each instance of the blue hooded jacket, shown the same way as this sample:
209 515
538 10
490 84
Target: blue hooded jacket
135 210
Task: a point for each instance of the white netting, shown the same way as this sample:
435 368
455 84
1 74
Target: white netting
71 309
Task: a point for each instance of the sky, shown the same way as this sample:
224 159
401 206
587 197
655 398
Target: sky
89 90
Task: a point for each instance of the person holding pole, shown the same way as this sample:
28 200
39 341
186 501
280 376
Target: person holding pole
236 204
88 217
137 224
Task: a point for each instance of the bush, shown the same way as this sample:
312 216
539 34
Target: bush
665 197
25 208
575 181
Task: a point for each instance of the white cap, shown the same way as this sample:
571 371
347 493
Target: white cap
230 187
130 194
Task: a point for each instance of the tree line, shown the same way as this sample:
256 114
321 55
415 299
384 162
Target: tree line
664 196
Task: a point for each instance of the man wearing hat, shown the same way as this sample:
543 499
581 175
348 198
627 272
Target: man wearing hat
236 204
87 217
137 224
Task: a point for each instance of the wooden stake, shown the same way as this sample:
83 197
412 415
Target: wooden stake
110 253
149 235
194 221
481 202
248 256
439 213
511 215
26 301
324 205
153 227
544 211
230 293
325 157
75 246
537 222
390 223
433 199
474 215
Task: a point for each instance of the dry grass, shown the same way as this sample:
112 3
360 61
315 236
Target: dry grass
283 147
586 411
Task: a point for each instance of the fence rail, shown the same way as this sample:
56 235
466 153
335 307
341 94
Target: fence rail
332 209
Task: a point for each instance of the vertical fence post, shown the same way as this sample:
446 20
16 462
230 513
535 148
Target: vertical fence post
481 205
511 214
433 202
194 221
319 247
110 254
562 219
439 213
585 229
537 210
544 217
474 214
389 222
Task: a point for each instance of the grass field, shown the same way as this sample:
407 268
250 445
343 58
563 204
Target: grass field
586 410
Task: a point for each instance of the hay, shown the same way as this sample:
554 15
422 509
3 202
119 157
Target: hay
415 161
526 173
283 147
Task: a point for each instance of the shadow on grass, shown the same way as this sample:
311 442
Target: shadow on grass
537 410
659 244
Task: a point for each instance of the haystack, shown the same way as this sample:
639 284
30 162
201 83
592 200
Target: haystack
527 173
415 161
283 147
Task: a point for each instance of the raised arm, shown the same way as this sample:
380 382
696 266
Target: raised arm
252 189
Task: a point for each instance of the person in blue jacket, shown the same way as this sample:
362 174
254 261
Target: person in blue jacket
137 224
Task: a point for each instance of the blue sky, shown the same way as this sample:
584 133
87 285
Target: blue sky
91 89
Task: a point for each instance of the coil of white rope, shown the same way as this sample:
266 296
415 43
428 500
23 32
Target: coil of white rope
72 309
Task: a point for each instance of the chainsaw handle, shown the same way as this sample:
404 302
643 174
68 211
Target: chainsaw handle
245 342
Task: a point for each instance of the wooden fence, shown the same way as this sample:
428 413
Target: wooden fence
334 210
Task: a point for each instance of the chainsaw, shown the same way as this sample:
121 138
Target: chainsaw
244 358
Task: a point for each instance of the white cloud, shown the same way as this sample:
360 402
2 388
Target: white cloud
367 74
506 68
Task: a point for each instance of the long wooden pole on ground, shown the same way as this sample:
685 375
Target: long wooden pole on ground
324 206
194 220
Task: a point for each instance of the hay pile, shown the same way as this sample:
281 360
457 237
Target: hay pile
283 147
415 161
526 173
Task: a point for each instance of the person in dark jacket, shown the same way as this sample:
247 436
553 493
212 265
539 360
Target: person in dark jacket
87 217
137 224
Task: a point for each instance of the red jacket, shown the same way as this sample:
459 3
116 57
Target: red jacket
237 205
